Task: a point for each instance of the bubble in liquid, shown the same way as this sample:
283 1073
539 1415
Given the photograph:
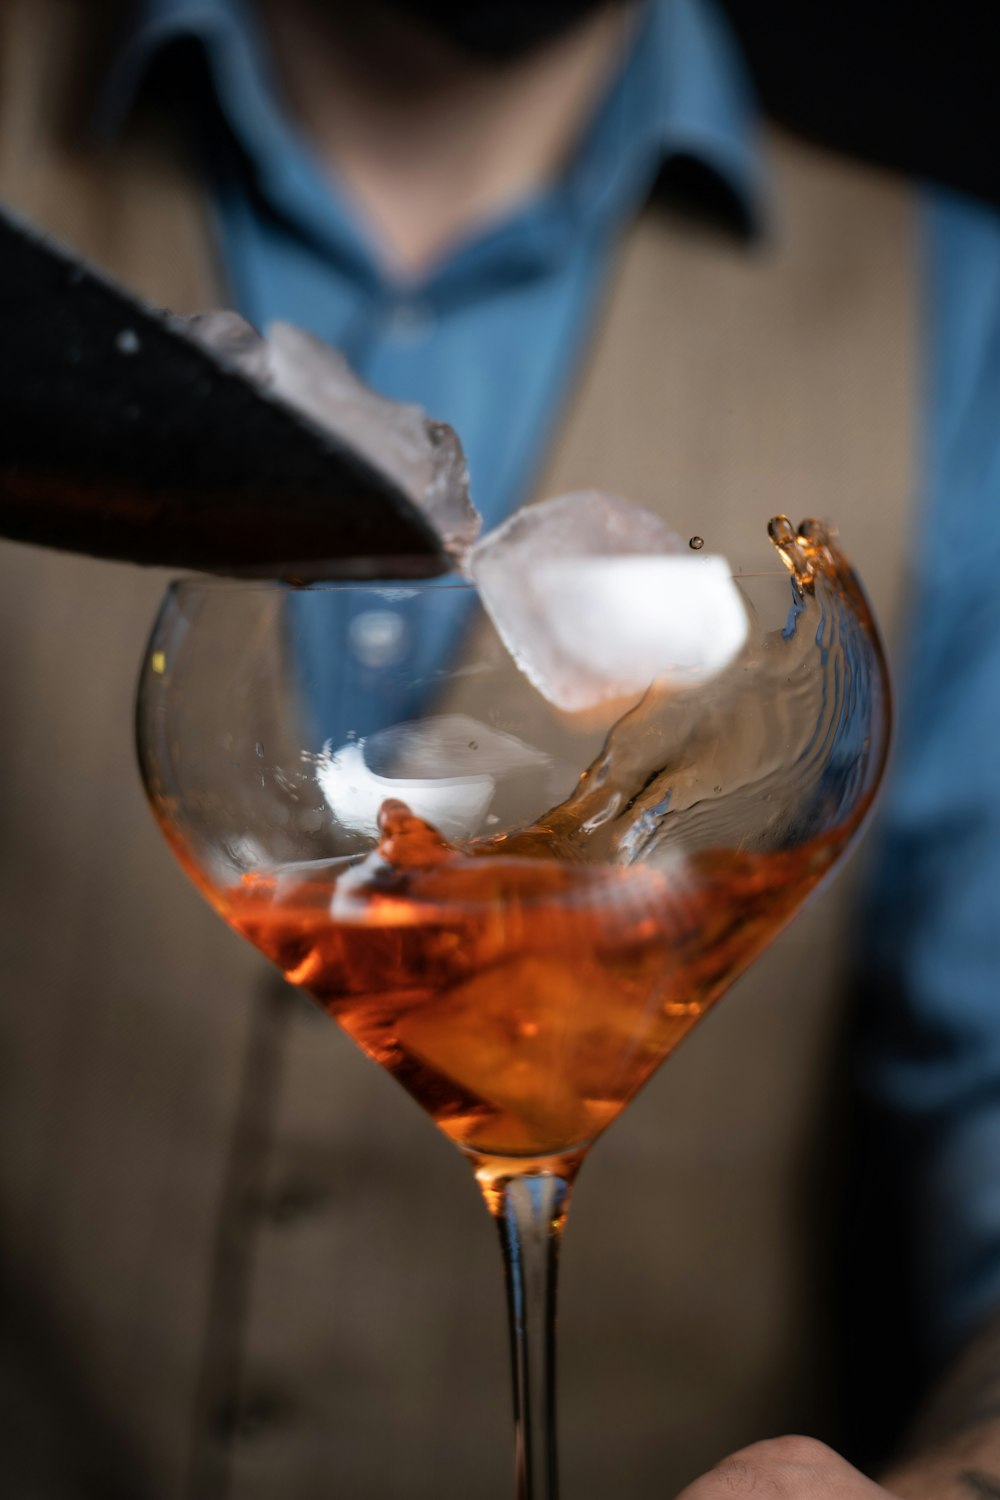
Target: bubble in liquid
696 543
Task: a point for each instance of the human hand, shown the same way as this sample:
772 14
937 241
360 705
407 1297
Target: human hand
785 1468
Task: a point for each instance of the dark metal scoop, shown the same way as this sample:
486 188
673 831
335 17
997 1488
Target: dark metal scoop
122 437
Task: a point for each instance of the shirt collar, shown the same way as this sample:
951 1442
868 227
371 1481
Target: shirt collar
227 30
683 91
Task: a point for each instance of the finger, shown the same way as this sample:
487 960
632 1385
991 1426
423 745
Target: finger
785 1468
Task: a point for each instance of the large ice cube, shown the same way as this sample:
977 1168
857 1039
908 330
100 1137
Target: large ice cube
424 458
595 598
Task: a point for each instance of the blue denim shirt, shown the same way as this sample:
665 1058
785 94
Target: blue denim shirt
514 304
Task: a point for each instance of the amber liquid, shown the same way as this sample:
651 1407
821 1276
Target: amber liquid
522 1001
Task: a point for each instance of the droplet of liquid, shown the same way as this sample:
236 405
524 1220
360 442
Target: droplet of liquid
696 543
797 549
260 750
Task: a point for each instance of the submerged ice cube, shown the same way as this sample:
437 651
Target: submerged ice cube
445 768
595 598
423 457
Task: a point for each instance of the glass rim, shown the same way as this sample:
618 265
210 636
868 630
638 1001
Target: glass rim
193 583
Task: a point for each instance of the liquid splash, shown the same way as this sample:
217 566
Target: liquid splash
787 744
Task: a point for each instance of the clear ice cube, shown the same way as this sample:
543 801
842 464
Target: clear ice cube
595 598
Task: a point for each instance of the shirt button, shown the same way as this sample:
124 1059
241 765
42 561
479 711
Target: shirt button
378 637
252 1417
410 321
296 1201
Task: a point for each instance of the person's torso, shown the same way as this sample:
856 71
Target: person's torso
247 1252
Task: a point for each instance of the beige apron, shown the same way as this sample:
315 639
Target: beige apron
242 1262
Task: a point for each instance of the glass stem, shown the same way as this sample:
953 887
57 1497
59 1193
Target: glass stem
530 1211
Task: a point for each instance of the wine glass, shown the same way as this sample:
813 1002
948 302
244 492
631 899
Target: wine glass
518 911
